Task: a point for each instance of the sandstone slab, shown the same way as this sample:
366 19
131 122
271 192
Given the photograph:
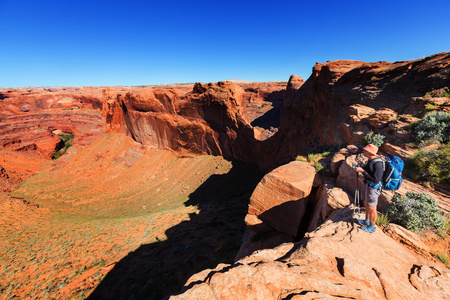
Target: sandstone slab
329 263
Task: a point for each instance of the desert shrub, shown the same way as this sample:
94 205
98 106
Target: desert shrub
434 164
431 106
312 156
382 220
318 166
66 137
434 128
442 256
376 139
415 212
327 150
300 158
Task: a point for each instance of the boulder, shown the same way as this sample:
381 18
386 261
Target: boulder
382 117
337 160
359 112
328 199
280 199
394 150
347 178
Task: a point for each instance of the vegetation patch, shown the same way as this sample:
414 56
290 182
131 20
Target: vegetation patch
443 256
67 141
415 212
376 139
434 128
382 220
431 106
318 166
433 164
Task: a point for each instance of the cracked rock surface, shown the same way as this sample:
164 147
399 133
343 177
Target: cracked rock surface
337 260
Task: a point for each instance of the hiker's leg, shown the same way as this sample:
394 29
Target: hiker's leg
372 202
371 211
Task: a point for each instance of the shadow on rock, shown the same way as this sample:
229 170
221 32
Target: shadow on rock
272 117
212 236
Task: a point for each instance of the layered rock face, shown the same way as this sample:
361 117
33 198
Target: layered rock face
338 260
211 119
31 121
29 118
318 113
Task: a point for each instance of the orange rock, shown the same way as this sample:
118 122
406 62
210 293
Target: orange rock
327 263
280 198
382 117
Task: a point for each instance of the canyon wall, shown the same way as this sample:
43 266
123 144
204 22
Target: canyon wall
318 113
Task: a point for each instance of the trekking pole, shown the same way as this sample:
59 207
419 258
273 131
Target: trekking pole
357 197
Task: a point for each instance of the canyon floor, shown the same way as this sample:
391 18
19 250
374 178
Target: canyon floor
137 237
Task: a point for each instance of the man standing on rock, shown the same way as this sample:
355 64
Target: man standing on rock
373 175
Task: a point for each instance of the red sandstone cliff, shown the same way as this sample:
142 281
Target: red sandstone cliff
210 119
318 113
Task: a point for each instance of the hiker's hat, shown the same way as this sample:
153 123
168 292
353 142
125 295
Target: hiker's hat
371 148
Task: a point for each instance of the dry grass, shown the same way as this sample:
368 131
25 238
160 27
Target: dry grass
96 205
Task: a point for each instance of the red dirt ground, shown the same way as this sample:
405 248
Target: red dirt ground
68 225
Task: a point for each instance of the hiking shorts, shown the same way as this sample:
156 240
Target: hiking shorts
371 195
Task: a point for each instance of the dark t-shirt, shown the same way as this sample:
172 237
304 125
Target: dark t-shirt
375 172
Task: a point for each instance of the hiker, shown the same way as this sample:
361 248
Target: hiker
373 175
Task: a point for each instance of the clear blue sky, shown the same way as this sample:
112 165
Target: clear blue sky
94 43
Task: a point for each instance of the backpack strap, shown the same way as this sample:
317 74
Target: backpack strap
377 185
379 159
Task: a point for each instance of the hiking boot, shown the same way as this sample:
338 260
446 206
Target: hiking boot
361 222
368 229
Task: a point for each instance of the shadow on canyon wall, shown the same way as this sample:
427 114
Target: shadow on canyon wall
272 117
212 236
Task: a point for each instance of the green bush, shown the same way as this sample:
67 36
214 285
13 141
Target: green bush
415 212
376 139
434 128
312 157
431 106
382 220
434 164
66 137
300 158
318 166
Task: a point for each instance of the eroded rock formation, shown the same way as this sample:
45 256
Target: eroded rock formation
338 260
211 119
317 114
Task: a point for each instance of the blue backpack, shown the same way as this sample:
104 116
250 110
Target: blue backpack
392 176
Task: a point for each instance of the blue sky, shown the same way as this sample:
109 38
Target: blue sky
98 43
